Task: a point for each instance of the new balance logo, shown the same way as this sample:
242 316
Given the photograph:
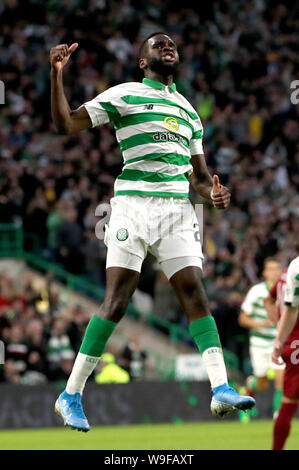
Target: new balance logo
93 360
149 106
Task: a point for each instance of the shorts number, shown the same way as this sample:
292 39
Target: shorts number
196 233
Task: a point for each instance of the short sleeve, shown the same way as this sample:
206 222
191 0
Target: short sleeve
103 108
196 140
292 285
247 305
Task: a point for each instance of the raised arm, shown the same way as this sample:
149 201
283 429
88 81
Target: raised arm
205 185
66 121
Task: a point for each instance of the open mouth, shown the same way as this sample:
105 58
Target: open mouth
168 56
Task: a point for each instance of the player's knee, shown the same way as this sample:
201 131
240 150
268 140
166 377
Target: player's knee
189 288
196 302
114 308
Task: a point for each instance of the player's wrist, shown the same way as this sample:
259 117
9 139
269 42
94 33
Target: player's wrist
55 72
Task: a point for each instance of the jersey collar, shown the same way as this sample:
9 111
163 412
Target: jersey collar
157 85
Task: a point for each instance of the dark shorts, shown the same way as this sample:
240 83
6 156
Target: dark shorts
291 376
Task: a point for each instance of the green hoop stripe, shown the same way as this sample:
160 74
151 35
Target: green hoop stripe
256 315
132 99
172 158
132 192
254 304
197 135
149 176
140 118
112 111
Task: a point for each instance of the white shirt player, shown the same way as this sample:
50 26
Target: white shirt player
253 305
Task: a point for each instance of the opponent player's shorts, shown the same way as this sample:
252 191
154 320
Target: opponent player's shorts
166 227
291 375
261 361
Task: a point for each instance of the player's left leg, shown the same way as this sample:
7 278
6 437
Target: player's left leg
187 284
120 286
289 405
277 397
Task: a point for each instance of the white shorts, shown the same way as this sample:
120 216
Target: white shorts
261 361
165 227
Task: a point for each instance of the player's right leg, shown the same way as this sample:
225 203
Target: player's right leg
193 299
289 405
121 284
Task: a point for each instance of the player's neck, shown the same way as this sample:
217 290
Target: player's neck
166 80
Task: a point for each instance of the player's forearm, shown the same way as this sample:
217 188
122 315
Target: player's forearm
246 322
202 184
60 110
287 323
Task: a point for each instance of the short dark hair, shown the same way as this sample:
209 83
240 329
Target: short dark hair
271 259
144 44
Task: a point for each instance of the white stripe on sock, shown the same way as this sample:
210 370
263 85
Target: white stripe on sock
215 366
84 365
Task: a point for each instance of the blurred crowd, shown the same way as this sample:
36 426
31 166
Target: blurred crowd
238 60
42 334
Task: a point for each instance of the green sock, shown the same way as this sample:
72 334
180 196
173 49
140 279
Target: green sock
205 334
276 400
253 384
96 336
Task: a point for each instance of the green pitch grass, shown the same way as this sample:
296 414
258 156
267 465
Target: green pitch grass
222 435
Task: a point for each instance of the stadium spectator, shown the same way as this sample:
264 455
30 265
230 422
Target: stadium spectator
59 349
109 372
37 347
16 349
133 359
11 372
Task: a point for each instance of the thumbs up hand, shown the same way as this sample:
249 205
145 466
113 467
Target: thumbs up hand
220 195
59 55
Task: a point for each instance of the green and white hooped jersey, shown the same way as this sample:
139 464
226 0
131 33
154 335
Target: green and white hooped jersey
253 305
158 131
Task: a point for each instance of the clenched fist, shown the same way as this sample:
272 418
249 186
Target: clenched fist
59 55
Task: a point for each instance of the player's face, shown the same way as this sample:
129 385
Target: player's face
161 55
272 272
